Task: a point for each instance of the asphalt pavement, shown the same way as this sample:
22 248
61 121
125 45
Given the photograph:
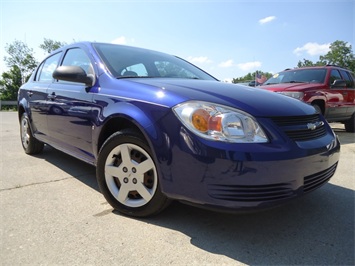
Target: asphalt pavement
52 213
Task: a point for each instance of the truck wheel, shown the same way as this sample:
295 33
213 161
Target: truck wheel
350 124
317 107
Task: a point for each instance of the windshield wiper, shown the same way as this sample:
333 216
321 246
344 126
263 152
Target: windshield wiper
295 81
129 77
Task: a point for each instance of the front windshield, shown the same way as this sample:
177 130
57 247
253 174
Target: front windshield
130 62
298 76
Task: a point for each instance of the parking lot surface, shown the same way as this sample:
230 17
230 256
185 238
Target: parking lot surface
52 213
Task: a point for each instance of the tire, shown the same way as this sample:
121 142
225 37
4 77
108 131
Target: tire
29 143
128 177
56 110
318 109
350 124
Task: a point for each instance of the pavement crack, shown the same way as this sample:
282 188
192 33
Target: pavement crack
34 184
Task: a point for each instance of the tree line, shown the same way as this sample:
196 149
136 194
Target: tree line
340 54
21 63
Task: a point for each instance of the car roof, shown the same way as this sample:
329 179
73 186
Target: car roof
316 67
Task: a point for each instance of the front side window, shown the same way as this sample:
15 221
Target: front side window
77 57
46 69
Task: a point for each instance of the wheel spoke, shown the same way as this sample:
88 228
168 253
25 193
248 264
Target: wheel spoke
113 170
125 153
144 167
144 192
123 194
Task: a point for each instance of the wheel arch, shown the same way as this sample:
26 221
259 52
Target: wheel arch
320 103
114 124
20 112
140 123
22 108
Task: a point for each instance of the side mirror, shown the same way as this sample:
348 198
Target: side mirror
74 74
338 83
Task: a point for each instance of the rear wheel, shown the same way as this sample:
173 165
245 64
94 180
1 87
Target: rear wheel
350 124
127 175
29 143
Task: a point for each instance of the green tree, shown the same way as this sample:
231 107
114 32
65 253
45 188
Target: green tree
309 63
22 57
49 45
251 76
10 83
340 54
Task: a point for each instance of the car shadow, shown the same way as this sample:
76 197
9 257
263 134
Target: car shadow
344 137
74 167
317 229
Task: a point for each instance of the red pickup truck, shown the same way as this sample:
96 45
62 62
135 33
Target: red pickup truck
330 89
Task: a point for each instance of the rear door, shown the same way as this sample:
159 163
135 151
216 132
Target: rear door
337 98
70 119
350 91
37 95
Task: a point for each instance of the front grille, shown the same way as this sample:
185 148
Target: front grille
314 181
250 193
301 128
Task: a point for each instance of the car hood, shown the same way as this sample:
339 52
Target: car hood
290 86
257 102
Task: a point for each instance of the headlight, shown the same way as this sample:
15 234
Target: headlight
294 94
220 123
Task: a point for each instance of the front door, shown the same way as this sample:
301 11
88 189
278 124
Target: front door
70 118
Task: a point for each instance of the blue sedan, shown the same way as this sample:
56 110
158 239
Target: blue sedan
158 129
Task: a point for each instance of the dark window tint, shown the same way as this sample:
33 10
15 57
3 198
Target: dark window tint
298 75
334 74
347 77
45 71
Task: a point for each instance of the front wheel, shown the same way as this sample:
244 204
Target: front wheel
318 108
29 143
128 177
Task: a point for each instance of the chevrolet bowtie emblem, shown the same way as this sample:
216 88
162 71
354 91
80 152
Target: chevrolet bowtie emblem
313 126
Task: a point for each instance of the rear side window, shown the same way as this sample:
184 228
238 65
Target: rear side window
169 69
46 69
347 77
334 74
135 70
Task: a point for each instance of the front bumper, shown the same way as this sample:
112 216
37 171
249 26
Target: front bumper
244 176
